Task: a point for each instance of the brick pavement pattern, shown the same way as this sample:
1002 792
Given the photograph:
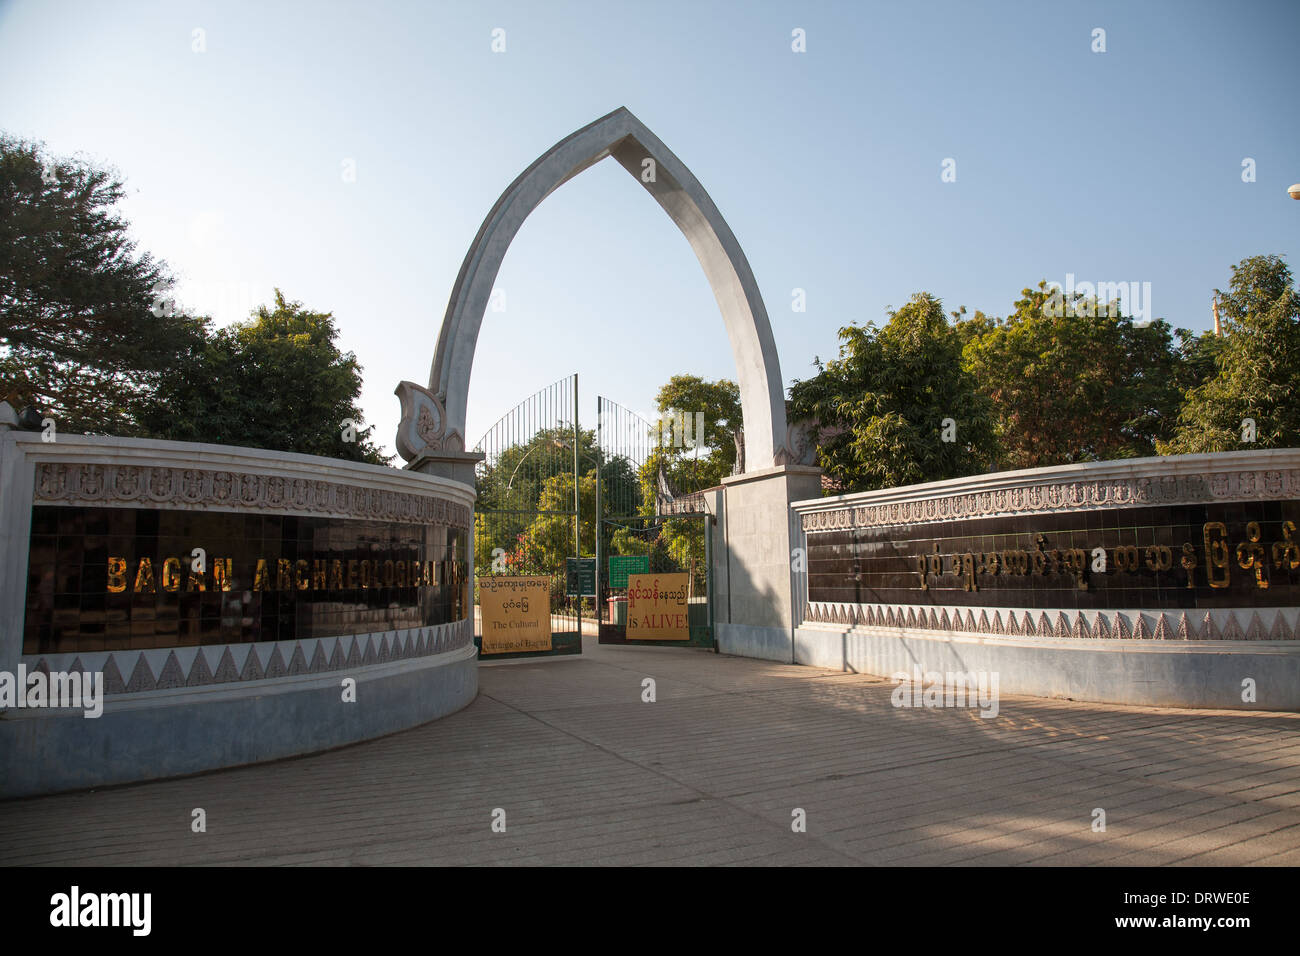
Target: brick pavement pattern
710 773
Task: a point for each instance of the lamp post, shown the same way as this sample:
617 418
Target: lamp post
554 441
595 459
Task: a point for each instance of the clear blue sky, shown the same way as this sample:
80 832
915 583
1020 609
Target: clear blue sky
1116 166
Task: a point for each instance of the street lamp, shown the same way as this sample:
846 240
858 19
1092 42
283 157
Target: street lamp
554 441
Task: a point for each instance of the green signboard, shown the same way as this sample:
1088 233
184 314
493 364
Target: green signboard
580 577
623 565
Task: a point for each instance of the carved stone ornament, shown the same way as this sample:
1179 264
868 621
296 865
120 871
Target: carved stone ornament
1217 624
227 490
423 428
800 443
1269 484
169 669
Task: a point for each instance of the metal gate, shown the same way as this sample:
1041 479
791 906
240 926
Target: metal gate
537 468
645 529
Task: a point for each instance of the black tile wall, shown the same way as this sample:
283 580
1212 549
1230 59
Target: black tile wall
878 565
70 608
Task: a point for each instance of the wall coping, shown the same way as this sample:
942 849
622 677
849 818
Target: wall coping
774 471
97 471
1135 482
106 450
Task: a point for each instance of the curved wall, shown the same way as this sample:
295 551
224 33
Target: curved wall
1162 581
330 605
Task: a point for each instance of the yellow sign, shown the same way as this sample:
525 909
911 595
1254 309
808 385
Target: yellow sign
516 614
657 608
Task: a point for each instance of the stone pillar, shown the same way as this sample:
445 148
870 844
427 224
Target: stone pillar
456 465
755 613
15 537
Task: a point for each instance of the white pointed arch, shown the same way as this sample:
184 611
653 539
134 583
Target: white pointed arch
622 136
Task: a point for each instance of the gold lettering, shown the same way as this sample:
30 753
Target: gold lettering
1038 560
1126 557
196 581
144 577
336 575
968 572
365 574
284 575
1286 553
116 575
1189 563
401 574
352 574
1076 563
1250 554
171 575
388 574
921 565
1216 553
221 574
302 574
318 572
261 577
1159 557
461 597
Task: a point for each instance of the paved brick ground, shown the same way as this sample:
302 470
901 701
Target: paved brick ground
709 774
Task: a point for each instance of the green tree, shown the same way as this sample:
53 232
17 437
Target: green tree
879 410
1074 382
86 330
277 381
534 476
1257 367
693 443
1197 359
549 538
514 478
692 457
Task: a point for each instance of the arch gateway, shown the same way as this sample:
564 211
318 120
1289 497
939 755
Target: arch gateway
433 420
752 573
923 576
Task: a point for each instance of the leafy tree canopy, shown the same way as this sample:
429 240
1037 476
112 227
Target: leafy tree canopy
526 499
1257 368
879 409
86 330
1077 382
514 478
698 449
276 381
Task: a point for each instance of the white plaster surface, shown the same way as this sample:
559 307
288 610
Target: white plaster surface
622 136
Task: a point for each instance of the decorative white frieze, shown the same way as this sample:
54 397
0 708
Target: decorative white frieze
1050 497
230 490
1265 625
157 669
